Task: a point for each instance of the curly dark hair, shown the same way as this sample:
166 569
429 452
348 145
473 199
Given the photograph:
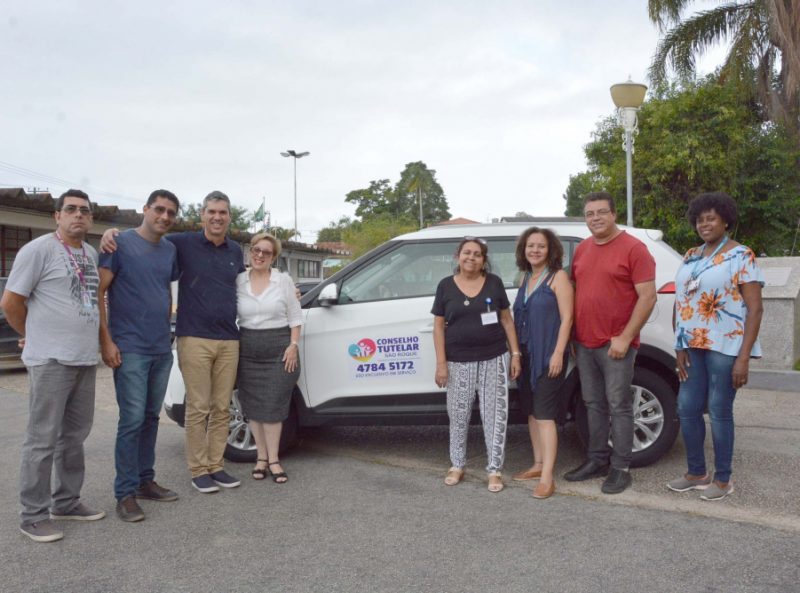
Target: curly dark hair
555 250
719 202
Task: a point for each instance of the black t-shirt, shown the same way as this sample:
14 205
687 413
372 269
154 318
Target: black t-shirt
466 338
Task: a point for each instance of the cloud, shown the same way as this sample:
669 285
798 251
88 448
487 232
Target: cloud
499 99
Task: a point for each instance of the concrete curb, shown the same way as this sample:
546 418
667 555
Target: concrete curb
774 380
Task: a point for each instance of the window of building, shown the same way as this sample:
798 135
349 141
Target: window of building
308 268
12 238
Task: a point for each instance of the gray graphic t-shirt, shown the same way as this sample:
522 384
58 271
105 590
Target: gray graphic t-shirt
63 319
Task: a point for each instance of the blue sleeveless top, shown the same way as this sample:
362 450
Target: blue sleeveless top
537 322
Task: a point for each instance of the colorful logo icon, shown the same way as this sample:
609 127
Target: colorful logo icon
363 351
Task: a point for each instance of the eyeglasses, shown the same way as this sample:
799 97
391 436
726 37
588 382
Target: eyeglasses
593 213
260 252
161 210
476 239
72 209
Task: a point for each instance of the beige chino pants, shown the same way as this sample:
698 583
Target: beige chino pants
209 373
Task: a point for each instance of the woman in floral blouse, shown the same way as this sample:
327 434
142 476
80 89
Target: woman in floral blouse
716 319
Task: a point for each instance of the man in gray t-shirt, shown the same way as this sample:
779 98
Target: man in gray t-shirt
51 300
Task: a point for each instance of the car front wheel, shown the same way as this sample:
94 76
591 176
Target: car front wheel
655 421
241 445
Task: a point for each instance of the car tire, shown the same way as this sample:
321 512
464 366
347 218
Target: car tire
656 422
241 446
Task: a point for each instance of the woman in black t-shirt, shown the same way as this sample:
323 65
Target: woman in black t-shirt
471 330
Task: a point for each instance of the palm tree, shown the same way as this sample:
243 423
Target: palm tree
283 234
764 54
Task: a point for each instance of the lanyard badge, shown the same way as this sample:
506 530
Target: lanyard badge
694 280
86 294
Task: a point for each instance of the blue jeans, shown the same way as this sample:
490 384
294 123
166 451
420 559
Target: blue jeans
140 382
710 383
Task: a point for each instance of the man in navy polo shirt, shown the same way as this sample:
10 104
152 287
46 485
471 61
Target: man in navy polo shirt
135 342
208 337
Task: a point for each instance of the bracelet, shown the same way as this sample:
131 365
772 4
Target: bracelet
292 343
516 354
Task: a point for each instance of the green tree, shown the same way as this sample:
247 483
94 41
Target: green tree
191 212
362 236
695 138
579 185
283 234
333 232
402 201
763 56
375 200
241 218
418 183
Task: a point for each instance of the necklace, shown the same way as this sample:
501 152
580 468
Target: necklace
467 300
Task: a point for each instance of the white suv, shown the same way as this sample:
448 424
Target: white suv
367 343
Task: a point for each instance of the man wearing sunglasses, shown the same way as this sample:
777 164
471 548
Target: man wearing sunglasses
51 300
135 342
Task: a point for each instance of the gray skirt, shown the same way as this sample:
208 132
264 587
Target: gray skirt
265 388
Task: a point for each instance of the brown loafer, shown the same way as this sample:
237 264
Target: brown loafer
528 474
544 490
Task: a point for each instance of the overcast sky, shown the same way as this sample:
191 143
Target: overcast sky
121 98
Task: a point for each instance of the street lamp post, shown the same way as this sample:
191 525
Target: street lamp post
628 97
296 155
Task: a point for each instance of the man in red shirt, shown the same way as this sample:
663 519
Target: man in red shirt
615 292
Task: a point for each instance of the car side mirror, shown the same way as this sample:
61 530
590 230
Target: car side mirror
329 295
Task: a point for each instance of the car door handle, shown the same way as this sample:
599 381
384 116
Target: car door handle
428 329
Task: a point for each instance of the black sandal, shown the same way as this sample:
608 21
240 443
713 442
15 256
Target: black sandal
280 477
259 473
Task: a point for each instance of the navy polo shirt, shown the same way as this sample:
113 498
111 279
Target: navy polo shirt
207 286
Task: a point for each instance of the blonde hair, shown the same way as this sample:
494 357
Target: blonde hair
276 243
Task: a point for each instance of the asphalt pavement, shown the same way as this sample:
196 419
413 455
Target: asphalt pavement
366 510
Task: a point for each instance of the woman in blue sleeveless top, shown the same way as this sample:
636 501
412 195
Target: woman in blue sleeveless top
543 318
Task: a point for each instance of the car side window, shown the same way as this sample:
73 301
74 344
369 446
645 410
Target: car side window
503 258
411 270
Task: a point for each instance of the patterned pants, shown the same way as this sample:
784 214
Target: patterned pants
489 379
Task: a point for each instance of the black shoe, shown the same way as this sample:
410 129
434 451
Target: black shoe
129 510
153 491
590 469
617 481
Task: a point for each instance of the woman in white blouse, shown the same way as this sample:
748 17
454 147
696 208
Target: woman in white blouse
269 320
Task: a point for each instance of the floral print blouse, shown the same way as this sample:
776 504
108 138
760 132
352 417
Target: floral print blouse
712 316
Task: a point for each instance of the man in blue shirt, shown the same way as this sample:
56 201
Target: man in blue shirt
135 342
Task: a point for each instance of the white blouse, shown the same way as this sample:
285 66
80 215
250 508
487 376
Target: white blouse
276 307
